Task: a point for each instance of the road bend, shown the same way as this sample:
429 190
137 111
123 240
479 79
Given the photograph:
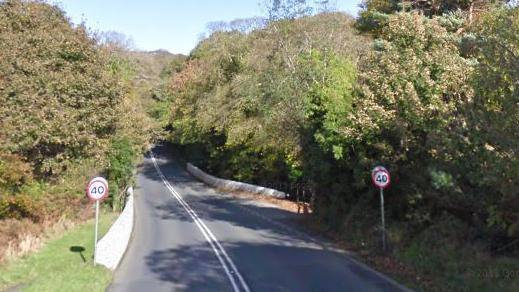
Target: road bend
190 237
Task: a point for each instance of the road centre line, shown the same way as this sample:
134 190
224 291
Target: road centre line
218 249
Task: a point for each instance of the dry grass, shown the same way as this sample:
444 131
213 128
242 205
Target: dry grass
62 205
22 237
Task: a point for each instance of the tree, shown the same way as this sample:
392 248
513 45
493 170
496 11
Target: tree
115 40
60 96
292 9
250 92
493 117
407 112
375 13
287 9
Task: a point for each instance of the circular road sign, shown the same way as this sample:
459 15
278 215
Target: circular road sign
380 177
97 188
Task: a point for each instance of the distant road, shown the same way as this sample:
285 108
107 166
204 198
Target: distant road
188 237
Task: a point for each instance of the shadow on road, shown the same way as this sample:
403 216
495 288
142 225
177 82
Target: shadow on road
272 268
265 247
209 204
189 268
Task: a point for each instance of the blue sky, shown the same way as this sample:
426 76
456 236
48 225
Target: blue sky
161 24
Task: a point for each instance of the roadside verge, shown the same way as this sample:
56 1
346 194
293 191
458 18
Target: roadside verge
63 263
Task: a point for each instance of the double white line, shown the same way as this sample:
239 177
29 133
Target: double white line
228 265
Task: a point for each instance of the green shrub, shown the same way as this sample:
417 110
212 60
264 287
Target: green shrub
59 99
120 169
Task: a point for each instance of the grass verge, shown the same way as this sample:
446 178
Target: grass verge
63 264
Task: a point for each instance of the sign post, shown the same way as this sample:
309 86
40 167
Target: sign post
383 219
381 179
97 190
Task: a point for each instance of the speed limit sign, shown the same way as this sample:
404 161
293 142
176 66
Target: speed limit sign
97 189
380 177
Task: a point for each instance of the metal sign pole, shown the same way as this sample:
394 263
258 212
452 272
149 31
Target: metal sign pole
383 219
96 190
95 236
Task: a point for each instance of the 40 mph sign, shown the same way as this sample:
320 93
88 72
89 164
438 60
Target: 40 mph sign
380 177
97 189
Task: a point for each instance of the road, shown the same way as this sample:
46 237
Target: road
189 237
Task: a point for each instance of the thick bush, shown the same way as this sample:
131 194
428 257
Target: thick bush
66 101
58 96
434 100
120 169
20 207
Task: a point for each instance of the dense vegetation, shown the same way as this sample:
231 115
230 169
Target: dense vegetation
426 88
307 96
68 111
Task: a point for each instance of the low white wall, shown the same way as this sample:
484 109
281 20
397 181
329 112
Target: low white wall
111 248
231 185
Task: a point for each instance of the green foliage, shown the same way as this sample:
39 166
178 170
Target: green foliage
120 169
52 74
372 21
55 268
441 180
494 116
434 100
65 101
452 21
122 66
452 14
423 103
254 104
329 97
174 66
410 89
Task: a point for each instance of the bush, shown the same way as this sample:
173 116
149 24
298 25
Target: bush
120 169
58 96
14 172
20 207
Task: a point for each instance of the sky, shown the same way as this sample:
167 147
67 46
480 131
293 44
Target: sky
172 25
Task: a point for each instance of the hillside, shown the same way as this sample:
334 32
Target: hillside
151 67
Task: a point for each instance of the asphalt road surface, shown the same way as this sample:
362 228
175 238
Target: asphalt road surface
189 237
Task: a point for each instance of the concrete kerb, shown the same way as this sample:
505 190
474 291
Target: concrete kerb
111 248
230 185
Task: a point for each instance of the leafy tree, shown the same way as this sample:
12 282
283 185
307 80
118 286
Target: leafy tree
287 9
493 117
51 75
308 99
120 169
374 14
408 105
67 99
251 91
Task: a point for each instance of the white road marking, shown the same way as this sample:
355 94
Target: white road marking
219 251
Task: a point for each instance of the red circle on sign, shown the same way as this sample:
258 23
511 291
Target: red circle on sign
380 177
97 189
